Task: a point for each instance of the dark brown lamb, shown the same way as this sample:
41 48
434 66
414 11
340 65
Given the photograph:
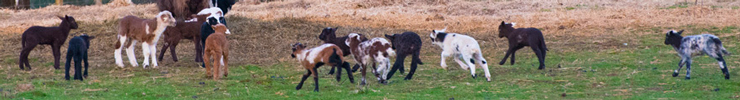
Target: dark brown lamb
53 36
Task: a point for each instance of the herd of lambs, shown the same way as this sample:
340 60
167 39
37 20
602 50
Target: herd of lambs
206 26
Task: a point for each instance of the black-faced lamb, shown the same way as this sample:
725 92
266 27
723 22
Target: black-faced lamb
77 50
520 38
405 44
696 45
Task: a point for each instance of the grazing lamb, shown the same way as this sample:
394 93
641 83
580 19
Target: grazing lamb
217 47
78 50
132 29
53 36
521 37
406 43
313 58
328 35
184 30
460 47
376 50
696 45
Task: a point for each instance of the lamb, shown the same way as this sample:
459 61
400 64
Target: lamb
376 50
521 37
132 29
460 47
53 36
406 43
185 30
694 45
217 17
328 35
217 47
78 50
313 58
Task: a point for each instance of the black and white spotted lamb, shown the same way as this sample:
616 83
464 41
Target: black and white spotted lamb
696 45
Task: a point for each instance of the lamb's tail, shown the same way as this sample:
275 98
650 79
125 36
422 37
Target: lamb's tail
335 58
721 48
23 42
542 42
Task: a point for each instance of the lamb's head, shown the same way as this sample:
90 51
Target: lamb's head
297 47
673 38
505 29
87 39
328 34
354 39
69 20
216 16
438 36
220 28
165 17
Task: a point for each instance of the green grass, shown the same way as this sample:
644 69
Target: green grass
641 72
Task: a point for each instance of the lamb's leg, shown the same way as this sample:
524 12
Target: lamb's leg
680 65
67 64
396 65
153 53
339 72
722 65
513 57
130 54
364 73
24 55
345 65
206 62
414 61
442 60
462 64
300 84
198 49
164 49
688 68
57 54
145 51
315 79
84 58
216 67
117 53
172 52
471 63
508 52
482 62
225 60
78 66
540 57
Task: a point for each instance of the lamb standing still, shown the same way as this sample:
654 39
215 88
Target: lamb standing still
77 49
217 47
132 29
184 30
53 36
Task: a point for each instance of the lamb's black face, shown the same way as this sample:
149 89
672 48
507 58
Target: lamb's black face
326 33
504 29
72 22
673 37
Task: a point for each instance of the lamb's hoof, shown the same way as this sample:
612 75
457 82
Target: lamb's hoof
298 88
408 78
362 83
384 82
541 68
501 63
66 77
316 90
331 73
57 68
473 76
687 78
727 76
675 74
488 79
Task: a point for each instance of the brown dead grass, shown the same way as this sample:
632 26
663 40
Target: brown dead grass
264 30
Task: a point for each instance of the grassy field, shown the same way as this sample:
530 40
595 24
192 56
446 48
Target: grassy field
603 49
640 69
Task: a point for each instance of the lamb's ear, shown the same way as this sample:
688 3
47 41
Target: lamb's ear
503 23
62 18
680 32
335 29
389 36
